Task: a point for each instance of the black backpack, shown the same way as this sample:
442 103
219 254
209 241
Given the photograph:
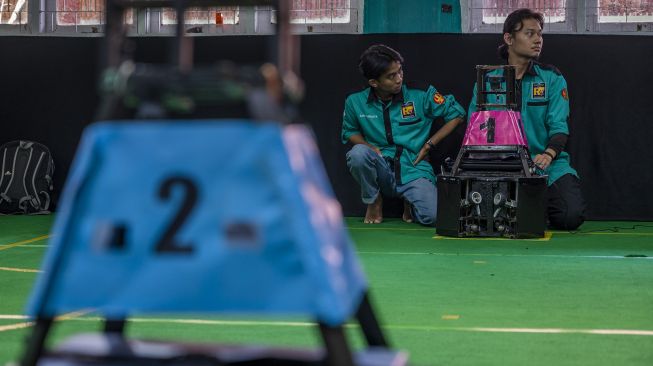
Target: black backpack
26 177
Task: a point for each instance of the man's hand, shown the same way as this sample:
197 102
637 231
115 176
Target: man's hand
443 132
376 149
423 153
543 161
358 139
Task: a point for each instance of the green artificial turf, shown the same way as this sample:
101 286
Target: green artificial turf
445 301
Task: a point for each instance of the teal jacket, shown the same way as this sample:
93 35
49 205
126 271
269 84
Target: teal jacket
409 117
544 110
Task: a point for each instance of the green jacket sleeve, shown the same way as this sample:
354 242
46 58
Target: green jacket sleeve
350 125
438 105
558 112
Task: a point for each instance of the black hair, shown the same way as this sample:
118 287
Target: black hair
377 59
514 23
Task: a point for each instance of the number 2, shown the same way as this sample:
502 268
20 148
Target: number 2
168 242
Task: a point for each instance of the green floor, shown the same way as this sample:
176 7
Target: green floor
582 298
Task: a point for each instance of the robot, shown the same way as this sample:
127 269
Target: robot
492 188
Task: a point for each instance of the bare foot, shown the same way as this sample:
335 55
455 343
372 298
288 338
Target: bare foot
374 214
408 213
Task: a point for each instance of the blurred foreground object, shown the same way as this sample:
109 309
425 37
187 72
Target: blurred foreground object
165 215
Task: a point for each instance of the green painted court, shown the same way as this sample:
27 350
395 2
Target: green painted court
572 298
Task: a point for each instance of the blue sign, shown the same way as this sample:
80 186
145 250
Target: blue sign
199 216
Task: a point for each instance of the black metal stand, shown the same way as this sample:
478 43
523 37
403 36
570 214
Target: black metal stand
337 351
369 324
36 342
115 326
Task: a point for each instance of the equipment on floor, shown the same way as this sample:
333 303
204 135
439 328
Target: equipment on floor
26 180
492 188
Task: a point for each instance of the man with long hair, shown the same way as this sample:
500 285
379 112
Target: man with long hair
543 99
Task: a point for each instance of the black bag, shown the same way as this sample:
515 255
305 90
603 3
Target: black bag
26 180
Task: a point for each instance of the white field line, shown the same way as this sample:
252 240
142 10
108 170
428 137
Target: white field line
28 324
505 255
19 269
23 242
77 317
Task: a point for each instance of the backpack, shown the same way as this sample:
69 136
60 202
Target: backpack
26 178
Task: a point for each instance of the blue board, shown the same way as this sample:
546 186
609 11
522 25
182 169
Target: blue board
210 216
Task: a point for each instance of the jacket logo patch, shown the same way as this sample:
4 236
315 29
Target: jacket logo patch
564 94
407 110
539 91
438 98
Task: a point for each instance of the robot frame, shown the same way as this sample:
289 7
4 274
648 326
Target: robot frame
493 188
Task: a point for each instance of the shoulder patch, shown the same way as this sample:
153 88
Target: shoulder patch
564 93
438 98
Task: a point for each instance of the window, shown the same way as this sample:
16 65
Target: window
625 11
621 16
214 16
496 11
78 16
489 15
318 16
91 12
79 12
88 17
567 16
320 11
214 20
13 12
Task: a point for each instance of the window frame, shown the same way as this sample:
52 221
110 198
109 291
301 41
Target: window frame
265 22
252 21
20 28
155 26
49 26
581 18
593 25
475 25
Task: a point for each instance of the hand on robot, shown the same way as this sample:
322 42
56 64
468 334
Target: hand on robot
543 161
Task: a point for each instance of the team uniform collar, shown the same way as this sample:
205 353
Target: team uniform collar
530 69
399 97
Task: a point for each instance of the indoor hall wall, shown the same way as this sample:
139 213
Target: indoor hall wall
49 95
412 16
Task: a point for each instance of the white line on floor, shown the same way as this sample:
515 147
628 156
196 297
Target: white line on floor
23 242
19 269
76 317
505 255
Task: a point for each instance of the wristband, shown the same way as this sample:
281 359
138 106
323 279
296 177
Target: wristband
550 155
